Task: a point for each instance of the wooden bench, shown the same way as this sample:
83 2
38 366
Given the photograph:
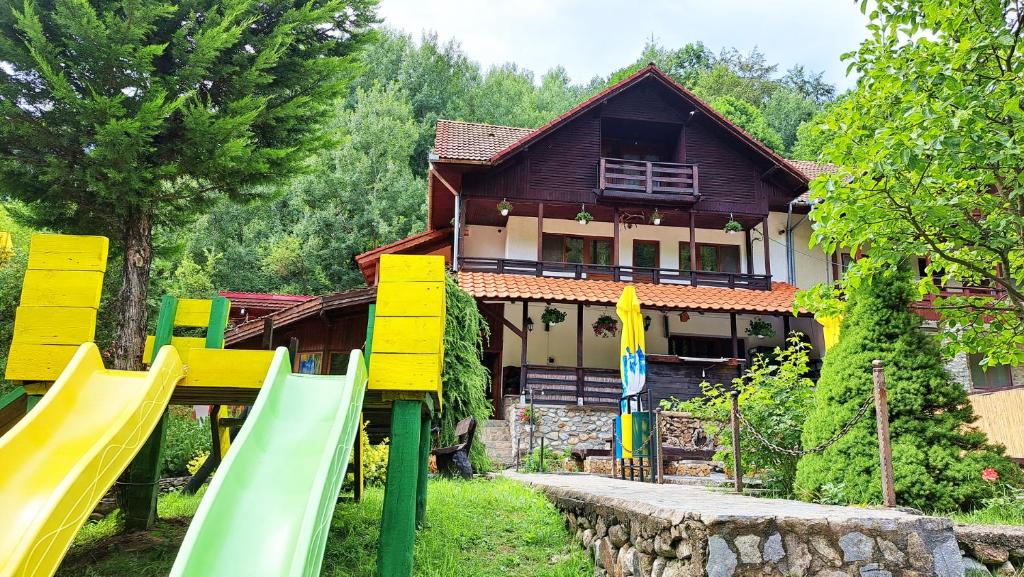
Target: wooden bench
454 460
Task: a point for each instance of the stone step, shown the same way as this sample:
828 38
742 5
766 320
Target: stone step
495 424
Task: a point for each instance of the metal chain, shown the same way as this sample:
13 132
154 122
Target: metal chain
800 452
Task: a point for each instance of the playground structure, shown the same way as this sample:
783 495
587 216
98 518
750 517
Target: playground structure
94 425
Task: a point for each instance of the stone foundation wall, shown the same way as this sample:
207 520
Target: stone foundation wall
684 431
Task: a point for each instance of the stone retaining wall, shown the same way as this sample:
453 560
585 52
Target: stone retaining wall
639 530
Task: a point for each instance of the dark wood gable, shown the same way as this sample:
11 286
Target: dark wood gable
563 165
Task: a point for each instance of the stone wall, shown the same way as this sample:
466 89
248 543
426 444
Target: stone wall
638 530
684 431
991 550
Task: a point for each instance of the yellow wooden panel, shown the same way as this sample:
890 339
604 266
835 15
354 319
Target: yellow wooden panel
235 368
6 247
410 299
55 325
68 252
407 335
56 288
30 362
415 268
400 372
184 346
192 313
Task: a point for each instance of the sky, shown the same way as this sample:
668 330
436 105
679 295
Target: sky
596 37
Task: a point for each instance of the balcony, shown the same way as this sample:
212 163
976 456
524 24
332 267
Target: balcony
617 273
643 180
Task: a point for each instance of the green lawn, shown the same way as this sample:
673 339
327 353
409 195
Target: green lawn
478 528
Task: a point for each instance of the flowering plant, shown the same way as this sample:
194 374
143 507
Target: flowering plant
527 416
605 326
552 316
989 474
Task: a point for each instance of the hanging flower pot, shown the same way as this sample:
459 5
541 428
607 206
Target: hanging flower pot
551 316
583 217
605 326
504 207
684 316
732 226
656 217
760 328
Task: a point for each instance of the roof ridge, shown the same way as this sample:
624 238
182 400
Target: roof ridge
485 124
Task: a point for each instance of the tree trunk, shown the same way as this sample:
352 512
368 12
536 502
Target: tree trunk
131 322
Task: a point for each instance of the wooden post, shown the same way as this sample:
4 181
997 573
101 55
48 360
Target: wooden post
737 465
785 326
358 475
457 234
614 441
421 479
523 342
749 249
142 477
693 244
884 446
579 355
733 334
268 333
659 455
615 236
398 520
767 248
540 231
293 352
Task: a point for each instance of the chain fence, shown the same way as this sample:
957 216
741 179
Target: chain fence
817 449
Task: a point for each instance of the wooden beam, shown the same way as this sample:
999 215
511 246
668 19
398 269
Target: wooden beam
579 354
785 326
733 335
524 341
443 181
540 232
767 247
507 323
267 342
615 236
693 243
749 250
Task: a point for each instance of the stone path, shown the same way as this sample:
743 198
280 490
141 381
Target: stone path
647 530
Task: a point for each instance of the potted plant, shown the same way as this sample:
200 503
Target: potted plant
605 326
583 217
760 328
656 217
527 417
504 207
551 316
732 226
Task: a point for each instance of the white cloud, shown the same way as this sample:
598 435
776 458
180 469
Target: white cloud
596 37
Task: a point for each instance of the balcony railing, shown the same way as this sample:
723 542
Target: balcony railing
617 273
573 385
653 178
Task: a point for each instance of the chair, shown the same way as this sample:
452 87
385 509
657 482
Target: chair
454 460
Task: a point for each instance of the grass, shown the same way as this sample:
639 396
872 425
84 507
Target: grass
477 528
990 516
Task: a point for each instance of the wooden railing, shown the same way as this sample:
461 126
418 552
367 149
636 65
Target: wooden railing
648 177
552 385
617 273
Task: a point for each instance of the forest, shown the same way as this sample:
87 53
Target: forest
360 180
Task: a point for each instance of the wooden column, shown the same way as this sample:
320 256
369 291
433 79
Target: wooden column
733 335
579 354
767 247
693 243
540 232
882 423
398 520
750 251
457 234
524 341
734 421
785 327
615 237
268 334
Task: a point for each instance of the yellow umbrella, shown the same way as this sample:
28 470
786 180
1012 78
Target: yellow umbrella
632 362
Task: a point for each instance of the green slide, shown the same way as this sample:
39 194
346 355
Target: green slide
269 507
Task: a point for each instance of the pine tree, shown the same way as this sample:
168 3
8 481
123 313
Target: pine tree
937 457
116 117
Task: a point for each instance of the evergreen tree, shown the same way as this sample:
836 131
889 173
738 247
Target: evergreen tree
938 459
118 117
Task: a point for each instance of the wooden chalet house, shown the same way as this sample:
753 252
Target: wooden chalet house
698 214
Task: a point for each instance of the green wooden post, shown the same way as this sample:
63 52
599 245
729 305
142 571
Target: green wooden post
358 479
421 479
368 347
141 480
398 521
219 309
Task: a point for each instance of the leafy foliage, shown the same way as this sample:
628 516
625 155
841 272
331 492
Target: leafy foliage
937 458
929 148
465 378
186 439
11 274
775 396
552 461
749 118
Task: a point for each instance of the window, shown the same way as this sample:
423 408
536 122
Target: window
645 253
996 377
339 363
711 257
704 347
576 249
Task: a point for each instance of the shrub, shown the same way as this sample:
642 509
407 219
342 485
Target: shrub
775 397
465 377
937 458
552 461
186 439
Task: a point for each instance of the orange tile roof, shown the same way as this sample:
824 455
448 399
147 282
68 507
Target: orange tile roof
811 170
473 141
779 300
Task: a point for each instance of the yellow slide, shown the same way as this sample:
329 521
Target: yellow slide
60 459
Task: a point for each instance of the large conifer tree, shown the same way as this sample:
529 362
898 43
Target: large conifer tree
118 116
938 458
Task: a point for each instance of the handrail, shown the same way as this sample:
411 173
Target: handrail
647 176
616 273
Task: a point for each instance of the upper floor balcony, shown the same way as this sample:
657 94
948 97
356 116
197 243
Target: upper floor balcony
623 179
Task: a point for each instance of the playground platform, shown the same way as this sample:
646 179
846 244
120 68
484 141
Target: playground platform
671 530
